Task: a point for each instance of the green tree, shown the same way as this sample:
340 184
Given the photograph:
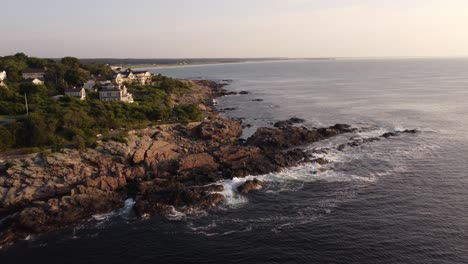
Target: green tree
33 133
7 138
71 62
99 69
31 88
76 77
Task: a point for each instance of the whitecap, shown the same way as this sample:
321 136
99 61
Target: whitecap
202 228
122 212
176 215
232 197
128 207
103 217
225 233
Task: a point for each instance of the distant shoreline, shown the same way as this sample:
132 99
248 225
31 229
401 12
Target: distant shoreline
173 63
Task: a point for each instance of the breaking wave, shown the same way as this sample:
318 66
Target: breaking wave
123 212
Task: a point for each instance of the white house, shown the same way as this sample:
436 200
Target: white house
126 76
143 77
116 93
33 74
129 76
3 76
79 93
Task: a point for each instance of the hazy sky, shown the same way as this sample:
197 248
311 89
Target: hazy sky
234 28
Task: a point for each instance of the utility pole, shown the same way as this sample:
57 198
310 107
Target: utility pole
26 103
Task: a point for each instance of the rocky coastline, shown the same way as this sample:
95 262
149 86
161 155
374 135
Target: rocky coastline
163 168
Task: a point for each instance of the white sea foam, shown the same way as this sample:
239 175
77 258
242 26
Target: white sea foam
293 179
372 132
225 233
122 212
128 207
176 215
232 197
103 217
350 167
202 228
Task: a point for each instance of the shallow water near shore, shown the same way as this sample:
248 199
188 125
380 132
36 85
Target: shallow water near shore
399 200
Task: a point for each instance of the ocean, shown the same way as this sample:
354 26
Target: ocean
398 200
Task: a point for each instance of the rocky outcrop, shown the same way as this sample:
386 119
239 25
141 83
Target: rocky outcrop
291 136
165 168
162 198
250 186
44 216
290 122
396 133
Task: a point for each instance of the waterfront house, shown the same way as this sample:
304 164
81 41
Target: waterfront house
79 93
33 74
115 93
124 77
143 77
129 76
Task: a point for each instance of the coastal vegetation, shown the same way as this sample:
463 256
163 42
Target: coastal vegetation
70 122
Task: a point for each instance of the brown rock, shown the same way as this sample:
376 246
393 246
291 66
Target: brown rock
160 151
250 186
201 160
218 129
106 183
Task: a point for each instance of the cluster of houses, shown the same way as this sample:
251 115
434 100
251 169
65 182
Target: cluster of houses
129 76
112 90
109 90
35 76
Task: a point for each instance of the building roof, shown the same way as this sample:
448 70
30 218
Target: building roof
73 89
30 70
125 74
112 87
140 72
